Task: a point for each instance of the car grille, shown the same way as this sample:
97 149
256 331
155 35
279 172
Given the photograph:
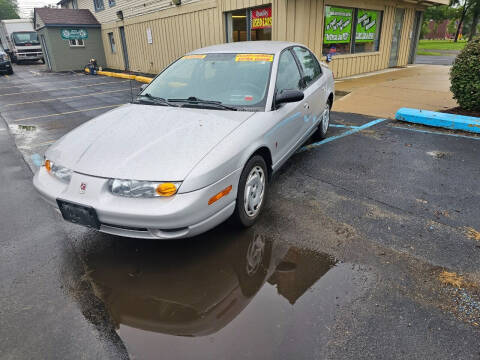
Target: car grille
29 51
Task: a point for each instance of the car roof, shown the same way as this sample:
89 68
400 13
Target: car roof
261 47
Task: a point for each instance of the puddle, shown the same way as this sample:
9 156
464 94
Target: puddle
24 128
239 296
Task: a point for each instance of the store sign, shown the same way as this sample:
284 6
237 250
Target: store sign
262 18
74 34
338 25
366 26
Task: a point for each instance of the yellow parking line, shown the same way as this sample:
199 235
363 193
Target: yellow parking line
64 98
65 113
65 88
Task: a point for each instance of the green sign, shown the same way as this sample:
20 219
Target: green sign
74 34
338 25
366 26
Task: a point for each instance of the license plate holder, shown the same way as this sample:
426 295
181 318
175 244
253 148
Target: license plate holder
79 214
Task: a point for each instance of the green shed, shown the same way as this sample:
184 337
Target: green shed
69 38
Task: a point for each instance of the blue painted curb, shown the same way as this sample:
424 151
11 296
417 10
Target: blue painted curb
436 119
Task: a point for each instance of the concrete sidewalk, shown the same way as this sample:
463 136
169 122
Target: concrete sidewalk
381 95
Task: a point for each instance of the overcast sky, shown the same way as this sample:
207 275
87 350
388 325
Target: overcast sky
25 7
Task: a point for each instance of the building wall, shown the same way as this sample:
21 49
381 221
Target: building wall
128 7
199 23
65 58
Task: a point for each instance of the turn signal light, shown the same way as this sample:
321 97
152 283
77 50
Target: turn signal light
221 194
166 189
48 165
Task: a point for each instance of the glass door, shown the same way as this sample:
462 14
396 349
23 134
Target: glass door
249 24
396 37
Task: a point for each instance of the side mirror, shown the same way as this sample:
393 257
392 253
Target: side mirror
288 96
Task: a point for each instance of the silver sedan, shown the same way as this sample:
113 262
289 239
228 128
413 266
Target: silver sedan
197 146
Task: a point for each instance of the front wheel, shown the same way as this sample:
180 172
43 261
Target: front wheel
252 189
10 72
43 61
322 130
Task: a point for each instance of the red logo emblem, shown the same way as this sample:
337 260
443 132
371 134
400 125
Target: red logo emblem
83 188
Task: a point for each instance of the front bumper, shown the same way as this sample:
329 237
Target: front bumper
29 56
180 216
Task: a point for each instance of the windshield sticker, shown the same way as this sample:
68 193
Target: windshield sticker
254 57
194 57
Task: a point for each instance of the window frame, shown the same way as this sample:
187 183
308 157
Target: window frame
275 89
98 8
111 41
76 43
353 33
299 64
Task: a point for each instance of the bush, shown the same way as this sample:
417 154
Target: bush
465 76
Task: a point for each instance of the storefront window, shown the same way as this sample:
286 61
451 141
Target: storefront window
249 24
261 24
350 31
367 37
338 30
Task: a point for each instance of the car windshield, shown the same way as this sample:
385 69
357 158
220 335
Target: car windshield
22 38
237 81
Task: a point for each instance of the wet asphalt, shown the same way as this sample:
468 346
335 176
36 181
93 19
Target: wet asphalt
345 263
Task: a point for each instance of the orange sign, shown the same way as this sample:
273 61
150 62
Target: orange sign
254 57
262 18
194 57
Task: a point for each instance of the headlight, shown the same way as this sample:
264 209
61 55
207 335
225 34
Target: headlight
143 189
60 172
3 58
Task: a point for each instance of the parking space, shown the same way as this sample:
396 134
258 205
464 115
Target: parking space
40 107
349 257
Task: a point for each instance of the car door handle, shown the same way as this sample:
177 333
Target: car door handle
306 106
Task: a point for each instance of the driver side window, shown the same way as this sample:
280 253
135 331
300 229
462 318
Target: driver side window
288 76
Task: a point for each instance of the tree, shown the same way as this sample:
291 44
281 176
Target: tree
463 6
475 20
8 9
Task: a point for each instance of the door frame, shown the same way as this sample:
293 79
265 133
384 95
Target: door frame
123 40
45 52
417 26
391 62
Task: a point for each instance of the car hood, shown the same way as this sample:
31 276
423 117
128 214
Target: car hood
144 142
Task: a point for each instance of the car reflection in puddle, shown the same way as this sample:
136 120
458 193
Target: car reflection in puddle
208 296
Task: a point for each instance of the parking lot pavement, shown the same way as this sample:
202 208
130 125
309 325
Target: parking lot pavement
368 248
40 107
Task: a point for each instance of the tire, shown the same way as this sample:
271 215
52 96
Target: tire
245 215
322 130
10 72
43 61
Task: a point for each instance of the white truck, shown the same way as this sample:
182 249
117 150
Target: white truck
20 40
